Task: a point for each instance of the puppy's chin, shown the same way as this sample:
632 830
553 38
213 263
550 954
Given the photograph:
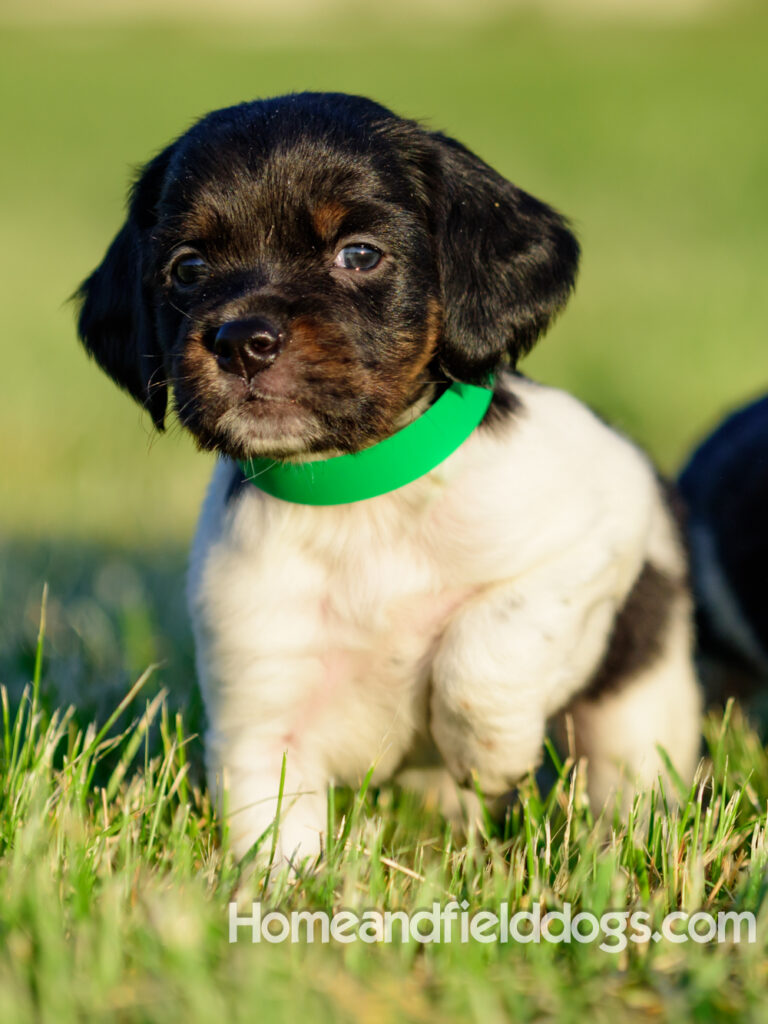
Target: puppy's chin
244 419
273 429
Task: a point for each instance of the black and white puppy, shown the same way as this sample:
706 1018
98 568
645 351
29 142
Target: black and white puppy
725 490
307 274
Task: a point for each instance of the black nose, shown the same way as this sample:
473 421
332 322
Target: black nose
248 346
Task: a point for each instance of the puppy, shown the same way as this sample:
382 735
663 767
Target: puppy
315 277
725 490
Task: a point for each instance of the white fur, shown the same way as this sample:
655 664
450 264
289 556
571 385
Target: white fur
460 612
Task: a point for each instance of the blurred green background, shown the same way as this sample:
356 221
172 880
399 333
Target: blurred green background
647 129
650 136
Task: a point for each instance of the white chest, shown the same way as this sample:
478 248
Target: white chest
332 631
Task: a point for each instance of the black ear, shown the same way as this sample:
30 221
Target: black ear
507 263
116 322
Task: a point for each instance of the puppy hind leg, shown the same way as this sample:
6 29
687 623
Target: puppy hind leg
619 729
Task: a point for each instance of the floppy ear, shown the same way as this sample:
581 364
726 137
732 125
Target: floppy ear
116 322
507 263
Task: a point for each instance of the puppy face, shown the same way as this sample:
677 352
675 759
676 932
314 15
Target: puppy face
299 270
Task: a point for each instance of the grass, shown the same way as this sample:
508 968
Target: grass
115 887
114 882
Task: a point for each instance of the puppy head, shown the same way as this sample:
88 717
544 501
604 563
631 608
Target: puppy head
300 269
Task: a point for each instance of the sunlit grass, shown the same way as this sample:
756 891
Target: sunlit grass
114 885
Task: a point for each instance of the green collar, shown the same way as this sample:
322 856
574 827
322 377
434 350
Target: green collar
394 462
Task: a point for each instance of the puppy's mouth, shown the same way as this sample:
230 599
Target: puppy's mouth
286 411
255 395
266 416
257 391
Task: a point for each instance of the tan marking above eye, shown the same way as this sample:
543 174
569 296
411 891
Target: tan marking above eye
327 219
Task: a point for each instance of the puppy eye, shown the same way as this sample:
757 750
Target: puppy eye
357 257
188 270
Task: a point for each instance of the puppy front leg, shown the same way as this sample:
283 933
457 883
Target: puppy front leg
486 716
505 662
244 774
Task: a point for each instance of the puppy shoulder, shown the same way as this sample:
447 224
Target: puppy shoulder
553 478
612 473
555 433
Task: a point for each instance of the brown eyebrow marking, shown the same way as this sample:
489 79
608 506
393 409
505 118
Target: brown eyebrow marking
327 219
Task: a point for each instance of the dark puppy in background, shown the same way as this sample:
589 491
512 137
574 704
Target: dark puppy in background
724 487
311 275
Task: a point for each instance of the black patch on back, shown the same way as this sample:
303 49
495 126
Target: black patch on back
637 637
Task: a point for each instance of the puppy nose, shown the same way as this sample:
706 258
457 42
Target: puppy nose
248 346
